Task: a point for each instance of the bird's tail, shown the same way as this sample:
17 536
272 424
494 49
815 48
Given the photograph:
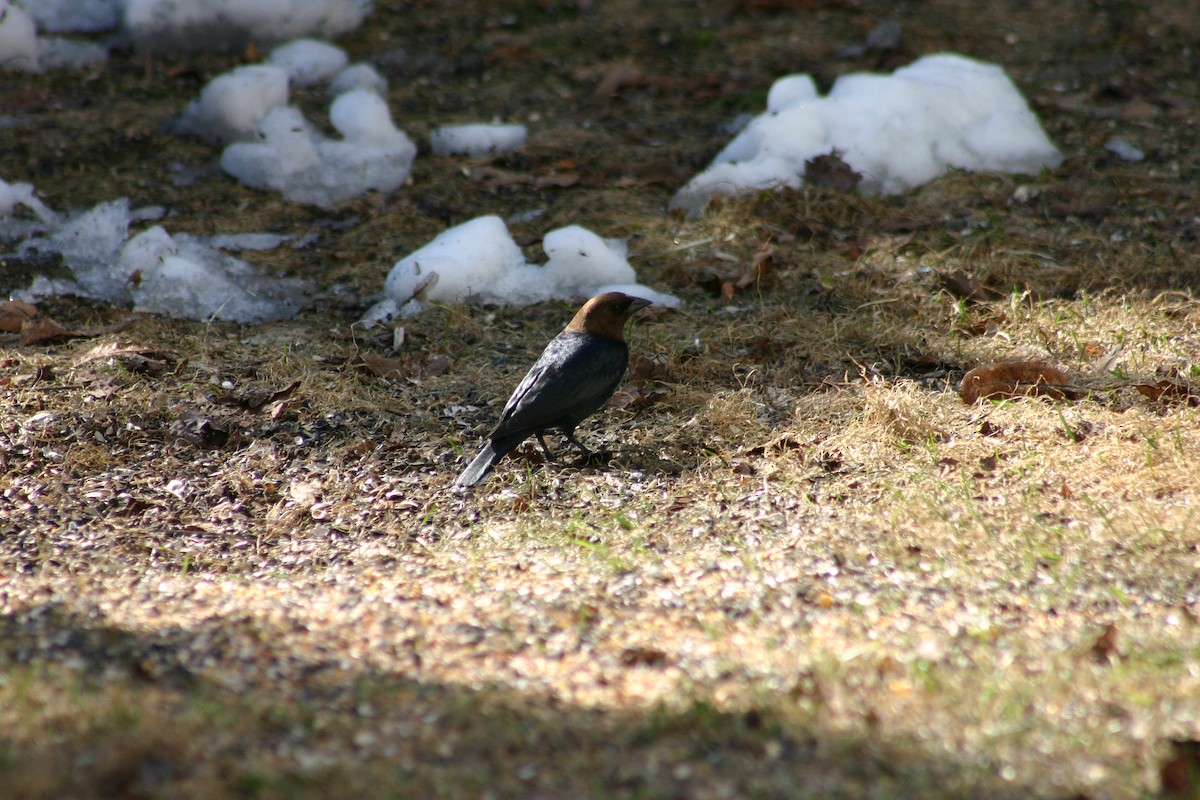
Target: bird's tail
479 468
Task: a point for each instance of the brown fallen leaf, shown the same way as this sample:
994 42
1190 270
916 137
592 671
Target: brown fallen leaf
639 391
43 374
617 77
437 364
14 314
831 171
643 656
1169 391
1104 649
390 368
1180 770
494 178
759 274
630 397
254 398
966 286
43 329
507 51
986 325
132 356
406 367
1002 379
560 180
641 369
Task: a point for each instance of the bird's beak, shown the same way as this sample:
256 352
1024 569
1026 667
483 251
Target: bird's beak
638 303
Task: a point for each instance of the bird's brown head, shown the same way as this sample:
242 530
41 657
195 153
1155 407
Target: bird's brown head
606 314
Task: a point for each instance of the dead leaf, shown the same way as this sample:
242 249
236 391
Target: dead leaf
986 325
405 367
559 180
1137 110
762 347
1104 649
1168 391
1180 771
43 329
494 178
966 286
389 368
617 77
643 656
14 314
629 397
641 368
759 273
132 356
437 364
254 398
507 51
200 431
43 374
831 171
1002 379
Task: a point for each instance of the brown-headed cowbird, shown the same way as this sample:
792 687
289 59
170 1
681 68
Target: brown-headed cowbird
575 375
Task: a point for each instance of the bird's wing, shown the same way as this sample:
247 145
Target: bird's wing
574 372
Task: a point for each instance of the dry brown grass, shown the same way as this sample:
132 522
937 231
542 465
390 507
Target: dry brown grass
807 569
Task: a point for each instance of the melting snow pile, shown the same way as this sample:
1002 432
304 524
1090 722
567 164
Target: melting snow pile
308 61
14 195
182 276
477 140
898 131
166 25
162 25
22 49
295 159
271 146
479 261
232 106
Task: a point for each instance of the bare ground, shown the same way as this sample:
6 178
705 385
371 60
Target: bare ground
230 564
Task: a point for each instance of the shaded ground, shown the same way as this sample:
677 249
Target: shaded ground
807 569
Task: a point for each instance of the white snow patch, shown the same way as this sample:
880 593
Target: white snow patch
182 276
479 261
74 16
161 25
56 52
293 158
308 61
187 277
18 38
477 140
21 195
231 107
358 76
898 131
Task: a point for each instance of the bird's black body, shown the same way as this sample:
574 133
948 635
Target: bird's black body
575 375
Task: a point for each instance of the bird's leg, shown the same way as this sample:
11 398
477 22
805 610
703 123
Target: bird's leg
542 441
571 438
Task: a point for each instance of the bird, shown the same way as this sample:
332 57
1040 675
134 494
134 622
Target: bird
576 374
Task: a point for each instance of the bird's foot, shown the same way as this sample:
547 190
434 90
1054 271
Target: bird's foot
599 458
